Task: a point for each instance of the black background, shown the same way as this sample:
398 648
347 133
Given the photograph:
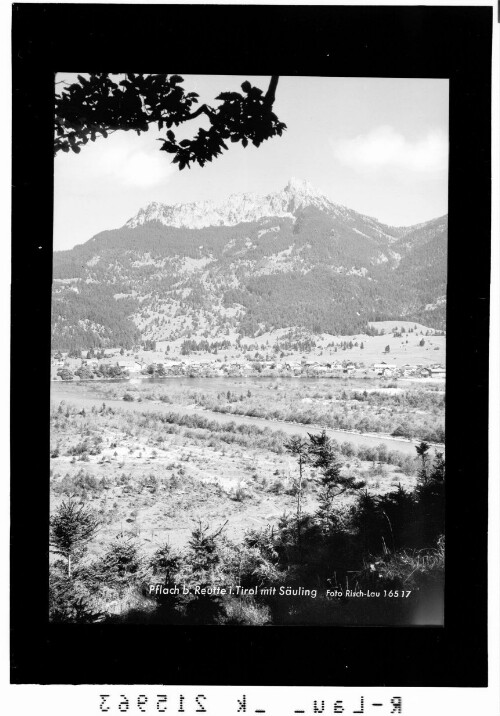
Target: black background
450 42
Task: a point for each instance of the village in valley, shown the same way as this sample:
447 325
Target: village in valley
163 440
69 368
419 353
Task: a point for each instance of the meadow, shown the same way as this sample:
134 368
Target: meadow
154 474
155 479
410 409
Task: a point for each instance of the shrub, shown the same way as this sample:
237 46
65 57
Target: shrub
277 487
407 569
120 566
166 563
403 431
86 446
240 494
84 373
69 601
246 612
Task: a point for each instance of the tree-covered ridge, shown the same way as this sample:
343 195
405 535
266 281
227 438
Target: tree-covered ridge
326 273
91 318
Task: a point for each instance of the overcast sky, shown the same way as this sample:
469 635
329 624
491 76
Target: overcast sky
379 146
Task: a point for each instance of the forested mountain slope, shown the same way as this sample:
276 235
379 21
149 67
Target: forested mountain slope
292 258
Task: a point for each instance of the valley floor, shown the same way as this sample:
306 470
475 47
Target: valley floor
156 463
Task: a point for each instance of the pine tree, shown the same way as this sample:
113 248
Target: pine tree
422 451
71 528
299 448
332 482
438 469
204 549
431 499
121 565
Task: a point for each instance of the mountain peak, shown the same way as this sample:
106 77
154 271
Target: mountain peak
301 186
238 208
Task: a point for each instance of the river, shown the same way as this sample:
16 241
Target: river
78 395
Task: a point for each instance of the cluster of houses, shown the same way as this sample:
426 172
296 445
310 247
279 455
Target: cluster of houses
390 370
244 367
304 367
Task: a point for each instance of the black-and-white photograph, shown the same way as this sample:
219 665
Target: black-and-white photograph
248 350
250 333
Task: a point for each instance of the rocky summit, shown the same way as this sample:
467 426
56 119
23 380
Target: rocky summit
238 208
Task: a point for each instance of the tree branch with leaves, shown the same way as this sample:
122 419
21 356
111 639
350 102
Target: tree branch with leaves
99 105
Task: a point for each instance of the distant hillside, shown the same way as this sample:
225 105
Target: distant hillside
251 264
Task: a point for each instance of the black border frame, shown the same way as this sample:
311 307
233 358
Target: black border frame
410 41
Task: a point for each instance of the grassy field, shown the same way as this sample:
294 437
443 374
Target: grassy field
154 472
156 479
364 405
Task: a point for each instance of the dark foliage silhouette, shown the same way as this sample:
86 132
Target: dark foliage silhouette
100 104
